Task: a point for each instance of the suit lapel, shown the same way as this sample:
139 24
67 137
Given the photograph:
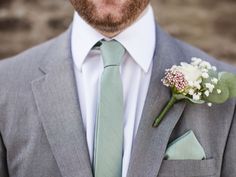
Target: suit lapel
150 143
57 102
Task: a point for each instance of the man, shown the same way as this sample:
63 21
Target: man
52 101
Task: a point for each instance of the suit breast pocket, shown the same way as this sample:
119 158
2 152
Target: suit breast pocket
188 168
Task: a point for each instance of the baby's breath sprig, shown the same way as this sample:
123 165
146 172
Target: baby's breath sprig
198 82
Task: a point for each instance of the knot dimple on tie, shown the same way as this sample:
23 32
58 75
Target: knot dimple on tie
112 52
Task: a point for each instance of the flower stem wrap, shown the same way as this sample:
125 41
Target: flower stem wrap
165 110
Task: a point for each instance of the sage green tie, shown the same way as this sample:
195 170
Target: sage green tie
108 144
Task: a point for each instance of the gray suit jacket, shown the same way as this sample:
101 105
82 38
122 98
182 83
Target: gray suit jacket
41 129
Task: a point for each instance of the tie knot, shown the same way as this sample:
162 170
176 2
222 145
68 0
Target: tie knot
112 52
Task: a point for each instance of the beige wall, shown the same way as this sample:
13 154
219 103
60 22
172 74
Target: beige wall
208 24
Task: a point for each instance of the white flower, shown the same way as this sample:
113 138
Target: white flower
214 81
196 97
197 84
204 70
196 61
191 92
205 75
207 93
205 64
213 68
218 91
210 87
209 104
191 73
190 83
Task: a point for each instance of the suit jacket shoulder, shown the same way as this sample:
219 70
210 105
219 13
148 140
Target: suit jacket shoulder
17 71
23 65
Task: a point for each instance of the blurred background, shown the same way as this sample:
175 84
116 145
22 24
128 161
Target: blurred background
207 24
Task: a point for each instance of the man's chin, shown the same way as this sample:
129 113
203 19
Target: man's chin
111 17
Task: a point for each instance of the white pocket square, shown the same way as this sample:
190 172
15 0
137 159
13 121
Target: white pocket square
186 147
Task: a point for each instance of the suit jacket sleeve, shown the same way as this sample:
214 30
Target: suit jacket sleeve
3 163
229 158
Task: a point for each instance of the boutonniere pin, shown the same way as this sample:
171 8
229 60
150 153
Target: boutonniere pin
197 82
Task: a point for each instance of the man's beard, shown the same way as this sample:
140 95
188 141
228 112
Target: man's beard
110 23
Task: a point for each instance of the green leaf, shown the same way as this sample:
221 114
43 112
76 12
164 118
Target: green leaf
213 73
229 79
214 97
227 85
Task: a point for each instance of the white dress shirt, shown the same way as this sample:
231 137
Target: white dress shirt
135 69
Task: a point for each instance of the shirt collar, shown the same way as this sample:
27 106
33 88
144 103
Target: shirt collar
138 39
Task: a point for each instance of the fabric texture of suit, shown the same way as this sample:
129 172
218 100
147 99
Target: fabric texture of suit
41 128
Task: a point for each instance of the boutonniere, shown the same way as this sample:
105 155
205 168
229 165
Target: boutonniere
198 82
